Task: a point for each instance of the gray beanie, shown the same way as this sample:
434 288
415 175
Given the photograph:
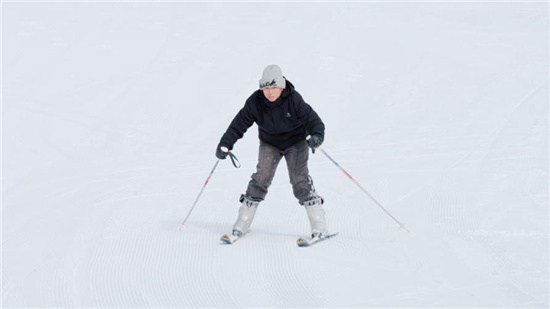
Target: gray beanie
272 77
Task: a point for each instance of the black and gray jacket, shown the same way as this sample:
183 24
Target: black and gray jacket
281 124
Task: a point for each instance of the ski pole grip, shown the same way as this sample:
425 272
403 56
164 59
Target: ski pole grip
232 156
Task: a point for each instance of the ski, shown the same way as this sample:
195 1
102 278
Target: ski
301 242
230 239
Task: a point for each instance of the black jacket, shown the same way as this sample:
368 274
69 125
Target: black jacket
281 124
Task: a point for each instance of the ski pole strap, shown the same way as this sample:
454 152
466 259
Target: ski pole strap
233 159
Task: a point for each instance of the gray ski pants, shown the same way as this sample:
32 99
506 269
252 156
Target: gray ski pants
296 157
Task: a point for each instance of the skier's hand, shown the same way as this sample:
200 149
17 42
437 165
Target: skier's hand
221 152
314 141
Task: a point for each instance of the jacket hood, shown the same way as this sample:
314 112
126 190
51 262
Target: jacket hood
289 89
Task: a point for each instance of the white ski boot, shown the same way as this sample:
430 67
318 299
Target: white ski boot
319 232
316 215
247 211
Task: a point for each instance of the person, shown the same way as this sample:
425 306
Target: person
284 121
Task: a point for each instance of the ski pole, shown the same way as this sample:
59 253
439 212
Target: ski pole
233 158
401 225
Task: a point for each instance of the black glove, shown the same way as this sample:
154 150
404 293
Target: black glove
314 141
220 154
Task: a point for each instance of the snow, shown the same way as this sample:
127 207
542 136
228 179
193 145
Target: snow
111 113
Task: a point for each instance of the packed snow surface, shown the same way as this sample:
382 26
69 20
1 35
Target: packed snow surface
111 113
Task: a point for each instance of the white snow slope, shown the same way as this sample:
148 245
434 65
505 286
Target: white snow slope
111 113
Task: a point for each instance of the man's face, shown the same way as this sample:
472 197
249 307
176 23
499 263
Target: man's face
272 93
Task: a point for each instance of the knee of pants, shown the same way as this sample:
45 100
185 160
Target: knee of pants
301 180
257 190
264 176
262 182
302 189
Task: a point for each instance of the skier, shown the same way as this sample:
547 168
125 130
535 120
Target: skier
284 121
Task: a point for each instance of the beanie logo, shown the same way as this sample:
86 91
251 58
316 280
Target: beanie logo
272 83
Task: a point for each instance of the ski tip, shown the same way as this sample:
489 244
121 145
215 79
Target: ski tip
303 244
225 239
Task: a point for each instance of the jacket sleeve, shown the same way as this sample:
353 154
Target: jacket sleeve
240 124
308 116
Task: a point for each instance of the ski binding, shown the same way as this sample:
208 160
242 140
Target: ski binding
301 242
